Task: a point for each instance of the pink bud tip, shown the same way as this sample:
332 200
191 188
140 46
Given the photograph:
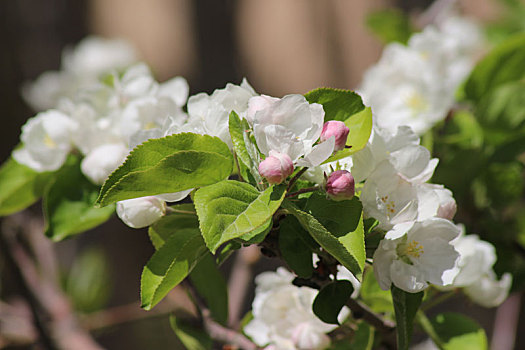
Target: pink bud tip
276 167
340 185
337 129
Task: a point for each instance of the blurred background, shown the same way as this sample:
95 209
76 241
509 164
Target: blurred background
280 46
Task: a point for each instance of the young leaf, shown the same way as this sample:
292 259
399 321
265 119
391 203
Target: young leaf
360 126
331 299
347 248
210 284
294 247
170 164
231 209
170 224
343 220
69 203
458 332
170 265
337 104
390 25
503 64
192 338
405 308
242 145
20 186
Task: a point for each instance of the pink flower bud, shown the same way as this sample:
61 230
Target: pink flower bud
276 167
337 129
340 185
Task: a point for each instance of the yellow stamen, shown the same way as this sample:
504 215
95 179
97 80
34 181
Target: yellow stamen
414 249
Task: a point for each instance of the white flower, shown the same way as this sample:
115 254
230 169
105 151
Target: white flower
102 161
475 275
81 67
46 141
403 89
414 254
210 114
488 291
435 200
292 126
141 212
283 316
401 149
388 197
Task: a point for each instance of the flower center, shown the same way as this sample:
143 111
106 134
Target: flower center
390 206
48 141
416 102
414 249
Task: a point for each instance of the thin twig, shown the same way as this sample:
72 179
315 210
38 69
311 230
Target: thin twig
56 321
303 190
214 329
295 178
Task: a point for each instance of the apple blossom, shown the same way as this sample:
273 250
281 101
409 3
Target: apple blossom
337 129
46 141
389 198
487 291
412 161
276 167
340 185
81 67
102 161
435 200
282 314
292 126
476 259
414 254
209 114
141 212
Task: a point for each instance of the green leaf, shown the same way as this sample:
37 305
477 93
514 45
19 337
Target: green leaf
69 203
347 248
390 25
295 247
405 307
331 299
360 126
20 186
231 209
362 339
503 64
89 281
459 332
258 235
170 265
338 104
244 148
210 284
502 108
464 130
192 338
377 299
343 219
170 164
170 224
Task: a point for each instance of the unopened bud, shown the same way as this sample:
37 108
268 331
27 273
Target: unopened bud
340 185
276 167
337 129
141 212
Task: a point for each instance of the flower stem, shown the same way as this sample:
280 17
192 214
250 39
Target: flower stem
303 190
295 178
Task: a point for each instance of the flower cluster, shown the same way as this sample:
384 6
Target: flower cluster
283 316
415 85
102 109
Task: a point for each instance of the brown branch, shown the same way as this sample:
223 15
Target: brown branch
303 190
214 329
55 319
